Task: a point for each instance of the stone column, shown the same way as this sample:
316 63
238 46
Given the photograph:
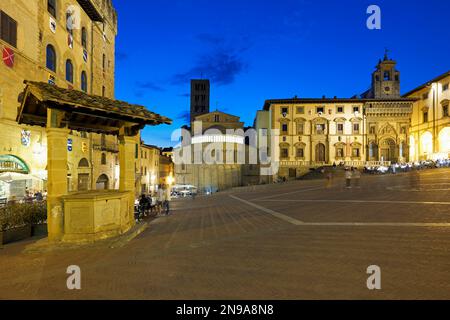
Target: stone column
57 181
127 160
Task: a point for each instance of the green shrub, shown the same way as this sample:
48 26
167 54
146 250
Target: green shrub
17 215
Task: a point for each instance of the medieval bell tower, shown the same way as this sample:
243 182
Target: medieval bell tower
386 80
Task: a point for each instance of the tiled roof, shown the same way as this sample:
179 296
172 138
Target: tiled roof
45 92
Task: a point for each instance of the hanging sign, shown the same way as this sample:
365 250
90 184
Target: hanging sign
69 145
25 138
8 57
52 25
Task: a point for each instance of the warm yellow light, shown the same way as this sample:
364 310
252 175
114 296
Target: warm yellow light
170 180
426 142
412 148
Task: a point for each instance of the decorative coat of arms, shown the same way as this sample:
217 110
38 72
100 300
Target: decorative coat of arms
26 138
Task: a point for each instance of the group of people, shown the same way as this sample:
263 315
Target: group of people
35 195
352 174
156 203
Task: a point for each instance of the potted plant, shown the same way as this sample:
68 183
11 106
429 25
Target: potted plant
38 218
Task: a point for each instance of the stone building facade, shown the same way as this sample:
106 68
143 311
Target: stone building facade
71 44
150 168
430 120
217 175
371 129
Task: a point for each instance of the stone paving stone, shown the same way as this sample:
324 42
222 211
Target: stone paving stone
220 248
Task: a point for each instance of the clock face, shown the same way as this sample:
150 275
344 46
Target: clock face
387 90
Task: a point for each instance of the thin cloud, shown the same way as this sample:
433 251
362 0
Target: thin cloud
185 116
150 86
221 67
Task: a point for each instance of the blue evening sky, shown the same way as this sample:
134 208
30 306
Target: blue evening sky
253 50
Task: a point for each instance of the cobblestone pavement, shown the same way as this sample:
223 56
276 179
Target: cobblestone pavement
297 240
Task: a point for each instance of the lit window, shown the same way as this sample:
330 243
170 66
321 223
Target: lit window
320 128
339 152
300 128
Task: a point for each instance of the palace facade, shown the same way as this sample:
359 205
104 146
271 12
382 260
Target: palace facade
430 120
70 44
371 129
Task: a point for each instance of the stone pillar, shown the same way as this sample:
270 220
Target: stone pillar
57 181
127 160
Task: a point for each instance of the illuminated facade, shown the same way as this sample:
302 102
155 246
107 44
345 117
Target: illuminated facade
430 121
70 44
368 130
150 167
223 171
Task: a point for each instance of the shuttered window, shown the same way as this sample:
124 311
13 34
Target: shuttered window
8 29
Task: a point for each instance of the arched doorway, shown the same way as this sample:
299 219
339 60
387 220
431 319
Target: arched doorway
83 175
373 151
102 182
444 141
387 150
320 152
426 145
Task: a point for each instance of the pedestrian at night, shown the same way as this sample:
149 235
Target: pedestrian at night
348 178
356 175
160 198
167 199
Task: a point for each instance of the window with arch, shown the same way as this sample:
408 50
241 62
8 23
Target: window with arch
84 37
51 58
84 86
84 163
103 158
51 7
69 71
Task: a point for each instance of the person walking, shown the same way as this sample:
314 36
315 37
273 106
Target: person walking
348 178
143 205
167 199
329 179
160 198
356 175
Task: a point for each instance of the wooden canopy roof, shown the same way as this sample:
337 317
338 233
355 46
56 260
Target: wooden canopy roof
83 112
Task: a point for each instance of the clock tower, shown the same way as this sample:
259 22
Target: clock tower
385 80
